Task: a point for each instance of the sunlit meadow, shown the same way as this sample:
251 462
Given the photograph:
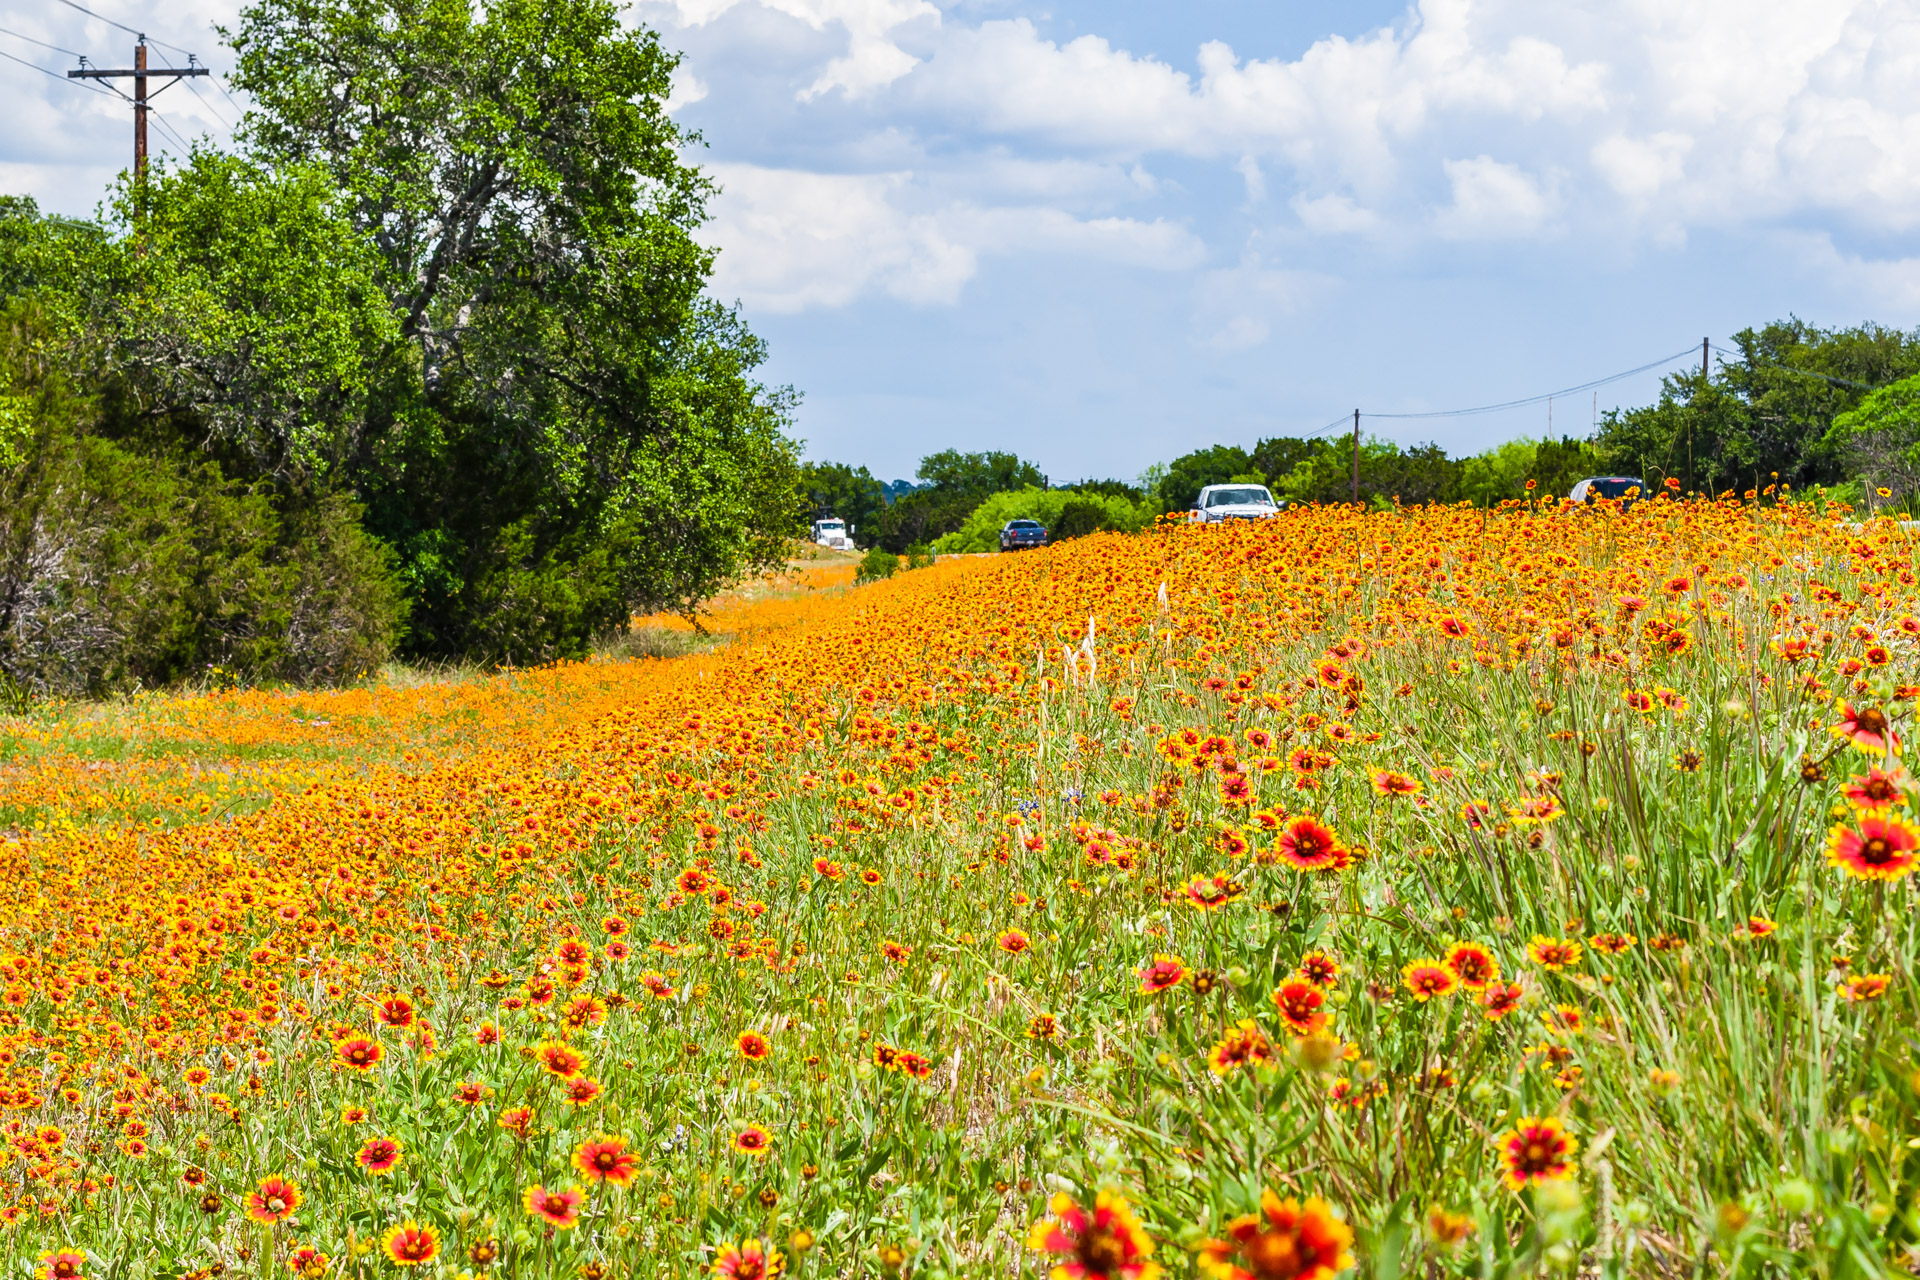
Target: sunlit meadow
1441 892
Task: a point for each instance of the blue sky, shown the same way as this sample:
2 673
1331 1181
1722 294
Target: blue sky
1103 234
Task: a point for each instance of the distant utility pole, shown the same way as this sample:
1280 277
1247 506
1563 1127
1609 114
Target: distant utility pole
140 71
1705 344
1356 455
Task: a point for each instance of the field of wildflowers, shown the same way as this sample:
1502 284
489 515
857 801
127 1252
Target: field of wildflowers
1441 892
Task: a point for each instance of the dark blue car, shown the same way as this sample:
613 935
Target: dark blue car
1017 534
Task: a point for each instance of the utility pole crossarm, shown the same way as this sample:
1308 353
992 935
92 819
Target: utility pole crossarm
102 73
140 73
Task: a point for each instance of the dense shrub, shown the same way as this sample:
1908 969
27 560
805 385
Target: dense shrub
981 532
876 564
1080 517
1879 441
122 570
122 567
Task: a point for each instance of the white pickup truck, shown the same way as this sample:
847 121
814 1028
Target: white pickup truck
1219 502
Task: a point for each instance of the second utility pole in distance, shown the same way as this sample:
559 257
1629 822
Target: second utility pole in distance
1356 455
140 71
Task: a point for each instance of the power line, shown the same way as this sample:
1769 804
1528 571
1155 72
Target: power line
176 48
91 14
124 27
1543 397
43 71
209 106
154 112
191 57
238 110
1539 399
42 43
1805 373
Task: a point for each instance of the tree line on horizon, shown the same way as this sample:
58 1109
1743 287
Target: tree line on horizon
1799 408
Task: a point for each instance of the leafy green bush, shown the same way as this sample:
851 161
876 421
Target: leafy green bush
1880 441
876 564
346 608
981 532
1078 518
1498 474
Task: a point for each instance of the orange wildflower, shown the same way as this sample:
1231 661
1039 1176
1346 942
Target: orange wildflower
273 1201
1876 789
749 1260
1428 978
1500 999
1862 987
1299 1003
1319 968
61 1264
560 1058
359 1053
1211 892
1879 846
379 1155
1867 729
1536 1150
410 1244
1551 953
1165 973
1386 783
1306 845
1287 1238
606 1158
559 1209
1244 1045
1106 1243
1473 964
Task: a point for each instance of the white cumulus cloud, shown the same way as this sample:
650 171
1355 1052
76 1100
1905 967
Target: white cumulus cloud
1710 112
1493 200
873 58
1235 308
790 239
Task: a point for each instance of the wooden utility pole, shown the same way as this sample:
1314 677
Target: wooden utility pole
1356 455
1705 345
140 72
